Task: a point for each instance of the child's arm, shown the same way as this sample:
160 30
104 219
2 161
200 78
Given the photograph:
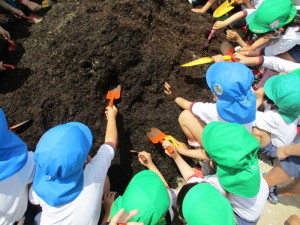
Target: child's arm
234 36
183 103
192 153
11 9
234 17
185 169
285 151
206 7
108 200
111 134
4 34
146 160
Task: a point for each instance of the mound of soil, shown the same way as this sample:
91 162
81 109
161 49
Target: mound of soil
66 64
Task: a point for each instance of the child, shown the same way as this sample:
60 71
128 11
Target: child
231 84
275 128
287 168
153 211
234 151
16 172
68 190
147 193
203 204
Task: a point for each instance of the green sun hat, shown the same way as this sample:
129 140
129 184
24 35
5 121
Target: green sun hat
203 204
234 150
270 15
284 91
147 193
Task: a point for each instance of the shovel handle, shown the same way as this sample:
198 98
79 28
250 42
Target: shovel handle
8 66
111 103
169 148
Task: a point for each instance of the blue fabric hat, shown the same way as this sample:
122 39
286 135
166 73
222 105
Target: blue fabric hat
60 156
231 82
13 151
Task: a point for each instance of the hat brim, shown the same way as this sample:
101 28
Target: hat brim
57 192
242 182
240 112
13 155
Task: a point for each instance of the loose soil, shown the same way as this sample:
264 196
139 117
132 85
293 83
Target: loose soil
66 64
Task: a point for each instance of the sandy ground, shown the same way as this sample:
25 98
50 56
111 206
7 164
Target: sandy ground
277 214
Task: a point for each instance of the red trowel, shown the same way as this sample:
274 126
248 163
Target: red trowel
112 94
8 66
12 45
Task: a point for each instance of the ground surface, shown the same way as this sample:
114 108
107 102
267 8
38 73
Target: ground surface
66 64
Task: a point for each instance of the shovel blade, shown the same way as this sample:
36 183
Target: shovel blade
199 62
114 93
224 8
155 135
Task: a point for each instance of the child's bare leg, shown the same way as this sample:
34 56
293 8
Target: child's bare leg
276 175
262 136
31 5
191 126
290 190
106 187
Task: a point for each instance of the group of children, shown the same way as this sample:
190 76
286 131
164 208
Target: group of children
226 136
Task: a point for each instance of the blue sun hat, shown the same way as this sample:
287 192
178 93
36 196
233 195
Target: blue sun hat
13 151
60 156
231 82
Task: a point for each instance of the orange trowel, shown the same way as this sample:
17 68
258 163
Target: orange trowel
156 136
112 94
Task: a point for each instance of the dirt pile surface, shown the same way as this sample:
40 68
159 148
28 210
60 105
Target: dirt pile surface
66 64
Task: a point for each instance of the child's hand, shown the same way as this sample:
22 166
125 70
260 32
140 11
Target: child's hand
241 58
218 58
108 200
232 35
219 25
281 153
1 67
16 12
197 10
260 93
4 34
145 158
122 217
167 143
111 112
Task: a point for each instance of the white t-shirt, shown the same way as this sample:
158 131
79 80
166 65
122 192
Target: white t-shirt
85 209
207 112
247 208
282 132
14 193
285 42
279 65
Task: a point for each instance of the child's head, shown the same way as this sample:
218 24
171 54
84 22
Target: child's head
284 91
203 204
147 193
13 151
234 150
271 15
60 156
231 82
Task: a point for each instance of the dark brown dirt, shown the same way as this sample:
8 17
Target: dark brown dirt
66 64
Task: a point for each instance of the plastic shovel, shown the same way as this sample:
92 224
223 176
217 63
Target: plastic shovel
224 8
211 34
32 18
204 60
156 136
21 126
228 49
112 94
47 3
12 45
8 66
